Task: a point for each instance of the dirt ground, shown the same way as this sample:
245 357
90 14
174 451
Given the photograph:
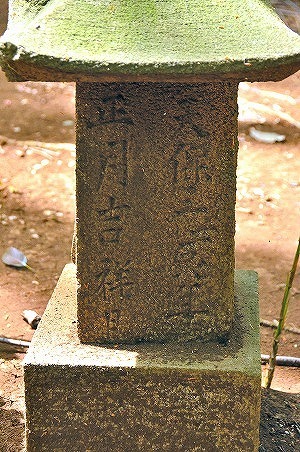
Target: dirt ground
37 214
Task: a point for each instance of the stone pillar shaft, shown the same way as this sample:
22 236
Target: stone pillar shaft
156 174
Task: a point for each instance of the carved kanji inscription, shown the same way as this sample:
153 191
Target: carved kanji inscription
111 221
113 110
114 281
189 162
155 181
113 162
112 319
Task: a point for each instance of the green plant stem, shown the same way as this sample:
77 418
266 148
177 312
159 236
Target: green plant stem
282 319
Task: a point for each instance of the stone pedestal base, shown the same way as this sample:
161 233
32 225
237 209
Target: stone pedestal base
144 397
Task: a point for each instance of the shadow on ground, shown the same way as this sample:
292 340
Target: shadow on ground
280 422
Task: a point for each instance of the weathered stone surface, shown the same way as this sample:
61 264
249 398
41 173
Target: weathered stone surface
156 173
147 41
191 397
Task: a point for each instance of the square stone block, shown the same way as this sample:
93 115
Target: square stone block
143 397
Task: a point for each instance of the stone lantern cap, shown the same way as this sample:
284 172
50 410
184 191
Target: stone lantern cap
147 40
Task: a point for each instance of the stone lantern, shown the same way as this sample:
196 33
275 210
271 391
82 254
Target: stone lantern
154 343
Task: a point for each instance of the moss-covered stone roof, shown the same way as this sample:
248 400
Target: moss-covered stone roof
147 39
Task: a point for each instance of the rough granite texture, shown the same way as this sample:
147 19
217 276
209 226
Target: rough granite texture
146 397
156 174
144 40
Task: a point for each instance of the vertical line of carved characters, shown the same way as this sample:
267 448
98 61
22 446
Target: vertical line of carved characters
113 162
190 165
113 110
191 260
111 221
114 281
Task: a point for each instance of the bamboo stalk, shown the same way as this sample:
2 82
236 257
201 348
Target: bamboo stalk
282 319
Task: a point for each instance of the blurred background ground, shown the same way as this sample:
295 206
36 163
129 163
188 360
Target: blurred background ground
37 214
